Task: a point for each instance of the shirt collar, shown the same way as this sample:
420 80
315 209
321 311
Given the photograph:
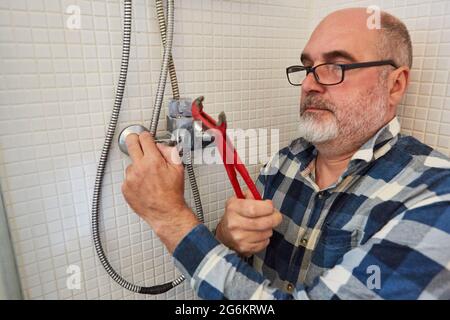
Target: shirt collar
378 145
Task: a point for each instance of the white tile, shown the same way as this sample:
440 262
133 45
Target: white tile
35 292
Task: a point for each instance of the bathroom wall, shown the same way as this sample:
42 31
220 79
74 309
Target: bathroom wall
56 93
425 110
9 278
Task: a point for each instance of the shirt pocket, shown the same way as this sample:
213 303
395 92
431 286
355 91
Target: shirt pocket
333 244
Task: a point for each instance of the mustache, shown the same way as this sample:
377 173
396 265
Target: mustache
317 103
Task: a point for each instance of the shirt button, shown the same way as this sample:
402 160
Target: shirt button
304 241
290 287
321 194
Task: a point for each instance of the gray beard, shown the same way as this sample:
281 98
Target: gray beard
315 131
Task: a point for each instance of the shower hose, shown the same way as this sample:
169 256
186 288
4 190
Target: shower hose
166 66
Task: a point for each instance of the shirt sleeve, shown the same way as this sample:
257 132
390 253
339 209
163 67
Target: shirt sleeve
409 258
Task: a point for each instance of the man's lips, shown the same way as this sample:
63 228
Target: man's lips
316 109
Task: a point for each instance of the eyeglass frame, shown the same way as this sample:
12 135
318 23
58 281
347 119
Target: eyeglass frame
344 67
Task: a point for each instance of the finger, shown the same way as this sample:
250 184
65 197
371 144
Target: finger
256 237
149 146
252 248
257 247
259 224
170 154
251 208
248 195
230 201
128 170
134 147
277 217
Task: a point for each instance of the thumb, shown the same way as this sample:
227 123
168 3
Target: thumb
248 195
170 154
277 218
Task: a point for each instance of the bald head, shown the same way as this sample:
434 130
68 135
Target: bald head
390 42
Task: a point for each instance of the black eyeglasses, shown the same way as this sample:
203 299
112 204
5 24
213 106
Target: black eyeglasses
329 74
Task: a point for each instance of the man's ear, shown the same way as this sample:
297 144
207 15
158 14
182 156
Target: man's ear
398 82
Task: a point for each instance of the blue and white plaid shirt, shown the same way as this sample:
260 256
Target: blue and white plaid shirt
382 231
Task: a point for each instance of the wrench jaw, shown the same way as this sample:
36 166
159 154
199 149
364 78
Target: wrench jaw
199 103
222 120
199 115
226 149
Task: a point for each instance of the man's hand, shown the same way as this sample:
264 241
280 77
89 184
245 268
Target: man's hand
247 224
154 188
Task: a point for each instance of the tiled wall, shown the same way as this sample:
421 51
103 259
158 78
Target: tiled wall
56 93
425 110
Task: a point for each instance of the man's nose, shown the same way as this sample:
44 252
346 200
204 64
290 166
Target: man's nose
310 84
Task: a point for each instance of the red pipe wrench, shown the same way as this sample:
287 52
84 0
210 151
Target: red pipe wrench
226 149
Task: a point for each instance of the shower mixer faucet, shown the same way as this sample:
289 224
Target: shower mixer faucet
138 129
179 124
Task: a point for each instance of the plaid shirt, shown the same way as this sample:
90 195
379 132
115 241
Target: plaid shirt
382 231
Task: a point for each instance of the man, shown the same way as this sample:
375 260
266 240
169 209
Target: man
365 211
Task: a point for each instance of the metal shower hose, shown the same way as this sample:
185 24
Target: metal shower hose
167 65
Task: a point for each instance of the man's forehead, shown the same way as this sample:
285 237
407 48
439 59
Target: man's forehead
352 18
350 43
330 55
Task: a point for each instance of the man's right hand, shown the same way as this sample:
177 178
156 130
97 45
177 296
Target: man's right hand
247 224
